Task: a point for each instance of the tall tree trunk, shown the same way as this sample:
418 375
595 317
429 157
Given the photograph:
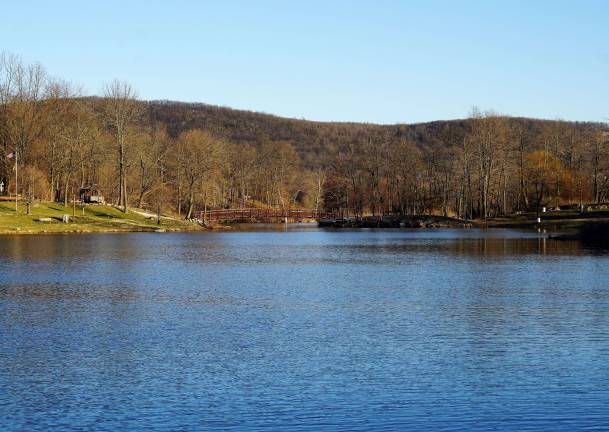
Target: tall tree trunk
53 172
65 189
190 202
123 192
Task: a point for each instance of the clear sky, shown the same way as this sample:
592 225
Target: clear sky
371 61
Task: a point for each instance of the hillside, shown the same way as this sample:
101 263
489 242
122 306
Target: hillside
314 140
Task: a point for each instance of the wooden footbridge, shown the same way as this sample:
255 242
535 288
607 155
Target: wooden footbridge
262 214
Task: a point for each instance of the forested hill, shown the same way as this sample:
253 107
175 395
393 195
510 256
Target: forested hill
191 156
315 140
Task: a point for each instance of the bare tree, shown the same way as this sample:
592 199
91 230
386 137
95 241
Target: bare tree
121 110
488 133
199 156
280 164
152 147
242 162
77 132
22 105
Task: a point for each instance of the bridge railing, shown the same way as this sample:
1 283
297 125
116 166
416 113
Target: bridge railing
261 213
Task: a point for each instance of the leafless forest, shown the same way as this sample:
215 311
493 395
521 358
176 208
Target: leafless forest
186 157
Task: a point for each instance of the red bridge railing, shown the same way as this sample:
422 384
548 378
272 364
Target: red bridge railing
245 214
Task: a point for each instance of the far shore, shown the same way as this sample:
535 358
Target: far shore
554 220
47 218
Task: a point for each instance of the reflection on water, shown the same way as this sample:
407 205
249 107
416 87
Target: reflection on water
303 329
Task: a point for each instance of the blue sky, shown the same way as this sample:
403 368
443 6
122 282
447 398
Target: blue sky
370 61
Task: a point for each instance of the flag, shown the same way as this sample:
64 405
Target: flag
10 155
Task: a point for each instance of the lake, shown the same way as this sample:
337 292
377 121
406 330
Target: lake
303 329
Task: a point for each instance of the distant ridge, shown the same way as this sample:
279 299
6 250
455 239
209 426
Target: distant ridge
315 139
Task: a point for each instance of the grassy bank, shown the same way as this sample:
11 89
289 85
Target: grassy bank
564 219
93 218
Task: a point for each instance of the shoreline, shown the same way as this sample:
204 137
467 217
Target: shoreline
18 232
116 228
47 218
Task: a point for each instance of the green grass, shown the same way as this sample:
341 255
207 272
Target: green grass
91 218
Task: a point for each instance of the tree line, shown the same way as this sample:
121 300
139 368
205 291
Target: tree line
182 158
498 166
63 141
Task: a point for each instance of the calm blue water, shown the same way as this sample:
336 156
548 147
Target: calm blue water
303 330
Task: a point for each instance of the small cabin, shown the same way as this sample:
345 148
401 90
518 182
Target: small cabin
91 195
